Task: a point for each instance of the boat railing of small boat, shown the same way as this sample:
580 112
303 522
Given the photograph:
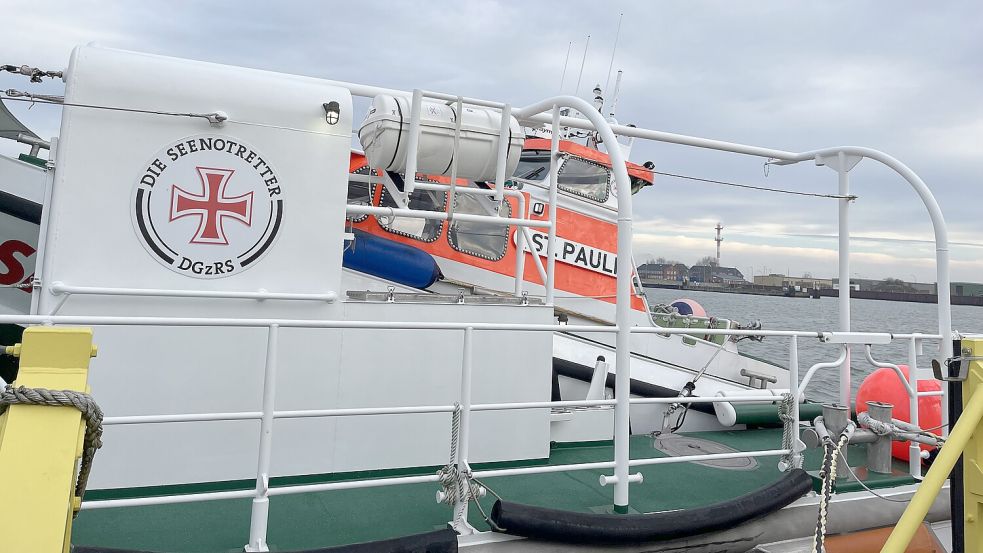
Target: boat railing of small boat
462 484
221 308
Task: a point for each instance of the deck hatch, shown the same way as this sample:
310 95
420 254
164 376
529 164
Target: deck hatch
677 445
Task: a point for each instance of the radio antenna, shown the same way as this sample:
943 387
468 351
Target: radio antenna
617 35
563 77
617 92
582 62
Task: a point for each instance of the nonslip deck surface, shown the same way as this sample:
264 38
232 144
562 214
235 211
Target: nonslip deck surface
313 520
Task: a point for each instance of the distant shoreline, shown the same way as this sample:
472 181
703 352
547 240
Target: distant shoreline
825 292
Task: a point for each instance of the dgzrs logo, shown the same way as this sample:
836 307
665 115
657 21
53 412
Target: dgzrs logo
208 206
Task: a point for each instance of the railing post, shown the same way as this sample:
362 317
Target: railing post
460 523
261 501
520 248
624 289
457 146
551 241
504 142
845 292
413 143
793 381
842 163
914 450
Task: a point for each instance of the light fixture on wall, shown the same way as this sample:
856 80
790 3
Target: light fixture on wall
332 112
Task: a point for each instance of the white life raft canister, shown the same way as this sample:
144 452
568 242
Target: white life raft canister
384 135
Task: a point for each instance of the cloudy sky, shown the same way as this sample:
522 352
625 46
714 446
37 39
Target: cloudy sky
903 77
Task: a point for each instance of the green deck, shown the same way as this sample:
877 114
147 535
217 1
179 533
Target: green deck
307 521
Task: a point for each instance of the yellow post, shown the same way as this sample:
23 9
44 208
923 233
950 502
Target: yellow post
973 456
963 439
40 445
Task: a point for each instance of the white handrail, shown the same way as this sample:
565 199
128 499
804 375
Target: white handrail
402 480
59 288
460 520
262 491
260 511
911 388
536 261
924 193
554 177
623 329
623 288
881 365
112 320
412 142
537 116
825 365
443 216
416 409
504 133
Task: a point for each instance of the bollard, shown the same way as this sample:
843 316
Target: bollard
879 451
836 417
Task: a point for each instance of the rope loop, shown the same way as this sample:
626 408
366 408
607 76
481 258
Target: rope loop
831 452
458 485
791 460
91 414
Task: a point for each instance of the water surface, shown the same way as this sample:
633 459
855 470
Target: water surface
781 313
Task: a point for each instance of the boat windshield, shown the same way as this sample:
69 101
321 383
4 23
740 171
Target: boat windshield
533 165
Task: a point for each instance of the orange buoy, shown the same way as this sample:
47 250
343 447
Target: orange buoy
687 306
885 386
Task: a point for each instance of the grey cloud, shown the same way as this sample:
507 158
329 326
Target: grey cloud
794 75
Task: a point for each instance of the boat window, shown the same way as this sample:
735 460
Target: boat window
533 165
484 240
359 193
585 178
427 230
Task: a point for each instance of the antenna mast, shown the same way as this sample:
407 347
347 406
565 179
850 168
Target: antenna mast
582 62
563 77
617 35
614 100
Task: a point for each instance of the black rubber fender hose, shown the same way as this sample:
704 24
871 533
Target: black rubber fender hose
584 373
609 529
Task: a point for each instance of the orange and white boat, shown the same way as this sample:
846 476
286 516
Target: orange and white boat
451 255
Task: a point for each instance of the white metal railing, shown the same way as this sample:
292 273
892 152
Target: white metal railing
771 155
522 223
841 159
268 414
910 382
522 232
65 291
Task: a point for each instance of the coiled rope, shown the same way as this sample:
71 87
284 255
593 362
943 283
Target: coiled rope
790 426
459 486
91 414
831 452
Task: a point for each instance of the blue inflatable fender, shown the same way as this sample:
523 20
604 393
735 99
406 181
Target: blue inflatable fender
391 260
